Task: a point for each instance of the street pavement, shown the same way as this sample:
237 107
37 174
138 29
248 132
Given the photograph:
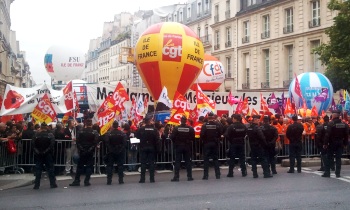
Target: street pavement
306 190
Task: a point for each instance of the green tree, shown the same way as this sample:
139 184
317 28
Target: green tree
335 54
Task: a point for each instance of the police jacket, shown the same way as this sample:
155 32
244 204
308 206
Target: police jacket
148 136
210 132
320 134
182 135
270 133
256 136
236 132
295 133
116 141
87 140
43 142
337 133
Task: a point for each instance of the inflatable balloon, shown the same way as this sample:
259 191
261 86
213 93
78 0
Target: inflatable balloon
169 54
315 88
212 74
64 63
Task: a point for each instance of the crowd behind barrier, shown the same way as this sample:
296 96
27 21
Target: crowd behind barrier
24 158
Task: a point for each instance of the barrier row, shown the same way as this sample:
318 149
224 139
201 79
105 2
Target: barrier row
164 159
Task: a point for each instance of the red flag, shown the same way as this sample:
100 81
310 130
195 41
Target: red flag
239 106
175 119
197 128
203 101
68 96
263 105
194 115
323 114
314 112
245 106
297 89
288 109
44 111
254 112
232 100
66 117
304 108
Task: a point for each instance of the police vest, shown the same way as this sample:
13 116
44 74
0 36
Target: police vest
211 132
183 135
238 132
87 137
269 132
338 130
116 138
252 134
43 141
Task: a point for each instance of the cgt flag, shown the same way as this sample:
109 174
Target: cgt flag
44 111
68 96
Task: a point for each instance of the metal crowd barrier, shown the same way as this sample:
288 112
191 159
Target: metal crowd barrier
164 158
9 162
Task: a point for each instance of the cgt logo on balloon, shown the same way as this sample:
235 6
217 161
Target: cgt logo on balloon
172 47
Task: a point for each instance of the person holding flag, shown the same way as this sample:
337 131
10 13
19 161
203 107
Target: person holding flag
183 136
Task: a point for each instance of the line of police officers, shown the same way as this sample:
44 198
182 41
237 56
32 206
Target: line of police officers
331 138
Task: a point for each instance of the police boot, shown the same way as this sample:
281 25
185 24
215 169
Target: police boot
52 182
255 171
273 169
217 173
189 173
176 176
244 172
76 182
109 180
37 180
121 176
121 181
205 176
230 171
143 173
87 181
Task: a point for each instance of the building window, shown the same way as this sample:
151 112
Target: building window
228 67
315 14
227 12
245 32
206 9
251 2
175 18
216 13
266 27
199 31
181 17
228 37
267 65
316 63
247 75
188 12
289 21
217 40
206 33
199 9
246 66
290 62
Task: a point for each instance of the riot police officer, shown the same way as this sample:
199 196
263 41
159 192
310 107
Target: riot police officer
257 143
182 136
148 143
235 134
87 140
271 135
294 134
210 135
336 139
43 143
116 142
319 140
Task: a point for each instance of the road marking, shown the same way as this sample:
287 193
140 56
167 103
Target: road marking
320 173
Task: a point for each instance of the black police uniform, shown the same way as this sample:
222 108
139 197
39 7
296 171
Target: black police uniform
148 142
319 140
257 143
271 135
235 134
43 143
87 140
182 136
210 134
336 139
116 142
294 133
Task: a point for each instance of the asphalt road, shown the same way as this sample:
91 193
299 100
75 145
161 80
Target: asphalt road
306 190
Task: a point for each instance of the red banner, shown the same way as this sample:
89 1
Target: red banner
44 111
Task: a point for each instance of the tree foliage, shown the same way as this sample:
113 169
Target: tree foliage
335 54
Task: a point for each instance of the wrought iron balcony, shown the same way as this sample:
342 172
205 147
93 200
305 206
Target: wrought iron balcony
206 40
315 23
216 18
265 85
265 34
217 47
228 44
245 86
245 39
288 29
228 14
286 83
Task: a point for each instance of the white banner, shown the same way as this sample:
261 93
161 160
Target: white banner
18 100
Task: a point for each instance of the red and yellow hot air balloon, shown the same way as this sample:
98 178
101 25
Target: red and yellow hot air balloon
212 74
169 54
